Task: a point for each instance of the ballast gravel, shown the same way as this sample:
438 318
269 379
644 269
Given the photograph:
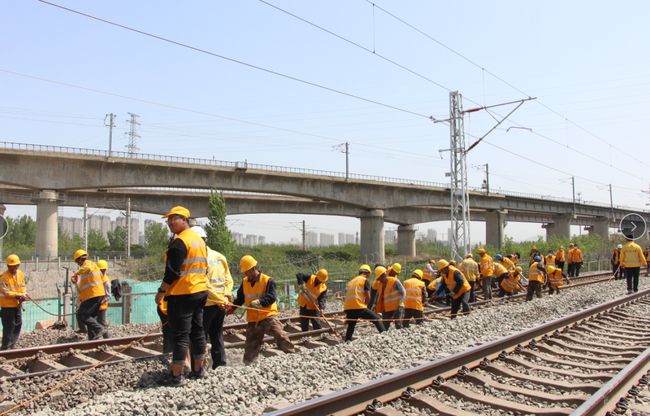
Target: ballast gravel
129 389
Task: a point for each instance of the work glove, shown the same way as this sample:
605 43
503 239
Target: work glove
256 304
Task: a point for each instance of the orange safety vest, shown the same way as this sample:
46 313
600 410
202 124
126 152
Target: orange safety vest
355 296
555 279
10 287
427 276
616 256
535 274
105 281
308 298
487 266
388 297
450 281
194 270
560 255
550 260
413 288
252 293
499 269
91 281
508 264
511 283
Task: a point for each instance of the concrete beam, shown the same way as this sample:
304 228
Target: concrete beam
494 224
406 240
600 227
47 231
3 209
560 227
372 237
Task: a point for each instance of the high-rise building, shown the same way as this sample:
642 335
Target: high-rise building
390 236
261 240
432 235
326 240
311 239
238 238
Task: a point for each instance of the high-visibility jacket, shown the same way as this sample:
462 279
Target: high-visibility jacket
508 264
308 298
257 291
388 297
90 281
487 266
427 276
560 255
194 270
10 287
535 273
616 256
470 269
219 279
435 284
415 291
511 283
632 255
452 283
107 289
550 260
555 279
575 255
499 269
355 294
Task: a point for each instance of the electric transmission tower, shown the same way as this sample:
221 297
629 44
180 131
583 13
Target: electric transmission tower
132 134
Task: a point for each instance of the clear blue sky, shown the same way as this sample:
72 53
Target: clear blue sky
586 61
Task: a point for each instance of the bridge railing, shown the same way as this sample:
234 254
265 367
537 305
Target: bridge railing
244 165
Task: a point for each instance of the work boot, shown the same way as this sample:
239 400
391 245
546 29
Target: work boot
177 381
198 374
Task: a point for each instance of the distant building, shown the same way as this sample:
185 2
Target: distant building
326 240
432 235
311 239
390 236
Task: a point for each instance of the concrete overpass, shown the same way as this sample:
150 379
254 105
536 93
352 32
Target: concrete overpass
51 176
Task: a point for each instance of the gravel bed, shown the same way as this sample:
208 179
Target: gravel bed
546 374
460 403
296 377
41 337
526 384
559 366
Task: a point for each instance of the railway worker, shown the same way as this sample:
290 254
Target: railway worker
388 293
313 293
469 268
647 258
185 288
428 275
438 290
457 286
560 258
511 284
500 271
416 296
536 278
257 292
549 260
13 292
103 266
533 253
508 263
92 293
577 259
486 268
615 262
219 296
357 298
555 278
632 259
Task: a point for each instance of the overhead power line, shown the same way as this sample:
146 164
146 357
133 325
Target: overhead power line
236 61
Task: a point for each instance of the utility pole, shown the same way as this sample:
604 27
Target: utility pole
132 134
304 235
111 118
128 227
486 181
345 148
573 186
86 227
611 202
458 190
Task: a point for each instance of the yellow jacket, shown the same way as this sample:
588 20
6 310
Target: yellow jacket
220 281
509 264
487 266
10 287
632 256
470 269
499 269
90 281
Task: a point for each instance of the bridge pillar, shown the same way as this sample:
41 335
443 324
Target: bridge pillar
47 238
372 236
494 224
2 212
406 240
600 227
560 227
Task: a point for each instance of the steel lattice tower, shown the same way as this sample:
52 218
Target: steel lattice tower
460 218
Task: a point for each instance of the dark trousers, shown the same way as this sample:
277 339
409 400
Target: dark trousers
551 290
486 281
88 313
12 322
354 314
461 301
80 323
617 271
571 269
168 344
534 287
392 316
412 313
577 267
255 332
186 319
632 276
213 317
472 292
559 265
304 322
503 293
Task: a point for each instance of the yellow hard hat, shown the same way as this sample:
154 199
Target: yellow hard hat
178 210
246 263
79 253
550 269
418 273
397 268
322 275
442 264
519 269
561 247
379 270
570 244
365 268
481 251
452 262
13 260
102 264
469 256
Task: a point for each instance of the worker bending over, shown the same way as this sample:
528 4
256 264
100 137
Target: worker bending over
357 298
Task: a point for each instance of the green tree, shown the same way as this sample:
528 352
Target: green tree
117 239
96 242
219 237
21 231
156 237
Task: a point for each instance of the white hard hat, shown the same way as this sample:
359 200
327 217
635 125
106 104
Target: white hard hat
200 231
619 246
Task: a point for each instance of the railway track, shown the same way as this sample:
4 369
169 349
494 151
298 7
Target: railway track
42 360
582 364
